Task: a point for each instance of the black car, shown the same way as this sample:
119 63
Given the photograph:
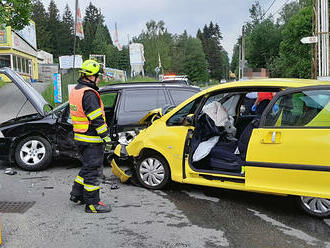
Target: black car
33 141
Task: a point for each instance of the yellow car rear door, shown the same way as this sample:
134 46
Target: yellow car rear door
290 152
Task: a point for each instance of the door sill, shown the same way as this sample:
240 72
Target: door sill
224 178
220 173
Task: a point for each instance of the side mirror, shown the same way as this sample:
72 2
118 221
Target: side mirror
189 120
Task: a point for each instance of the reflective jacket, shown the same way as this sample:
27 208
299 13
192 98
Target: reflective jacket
87 114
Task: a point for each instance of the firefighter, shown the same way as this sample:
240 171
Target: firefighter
90 134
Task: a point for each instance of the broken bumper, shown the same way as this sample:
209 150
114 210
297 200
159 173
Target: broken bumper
120 157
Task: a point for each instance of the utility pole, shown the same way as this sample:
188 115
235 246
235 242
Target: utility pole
315 46
74 41
239 61
243 51
323 39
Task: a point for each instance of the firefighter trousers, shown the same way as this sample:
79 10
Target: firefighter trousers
87 184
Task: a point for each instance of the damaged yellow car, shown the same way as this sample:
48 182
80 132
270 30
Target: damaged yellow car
279 146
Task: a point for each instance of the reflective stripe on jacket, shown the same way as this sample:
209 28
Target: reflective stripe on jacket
81 122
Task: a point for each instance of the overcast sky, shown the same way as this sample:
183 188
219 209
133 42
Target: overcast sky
178 15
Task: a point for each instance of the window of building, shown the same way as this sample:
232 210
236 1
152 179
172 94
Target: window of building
4 61
22 65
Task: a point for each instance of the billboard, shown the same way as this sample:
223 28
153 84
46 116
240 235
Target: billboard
136 54
22 45
3 34
111 74
28 33
66 62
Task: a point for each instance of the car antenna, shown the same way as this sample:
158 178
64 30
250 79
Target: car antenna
21 108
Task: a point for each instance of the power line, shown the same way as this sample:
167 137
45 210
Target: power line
281 7
271 5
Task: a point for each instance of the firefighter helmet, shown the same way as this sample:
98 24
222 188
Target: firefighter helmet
91 68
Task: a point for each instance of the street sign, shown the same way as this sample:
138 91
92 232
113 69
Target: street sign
309 40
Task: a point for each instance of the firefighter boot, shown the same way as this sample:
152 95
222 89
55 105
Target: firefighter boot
77 199
100 207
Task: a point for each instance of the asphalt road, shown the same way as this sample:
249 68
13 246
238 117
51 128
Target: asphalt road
180 216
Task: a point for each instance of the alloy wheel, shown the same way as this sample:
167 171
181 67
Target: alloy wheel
32 152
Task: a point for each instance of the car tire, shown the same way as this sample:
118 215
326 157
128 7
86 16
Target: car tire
317 207
153 171
33 153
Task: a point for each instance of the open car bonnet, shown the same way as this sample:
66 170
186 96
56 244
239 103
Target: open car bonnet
35 98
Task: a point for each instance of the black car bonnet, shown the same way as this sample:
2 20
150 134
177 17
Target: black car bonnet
35 98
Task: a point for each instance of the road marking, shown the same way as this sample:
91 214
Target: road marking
286 229
201 196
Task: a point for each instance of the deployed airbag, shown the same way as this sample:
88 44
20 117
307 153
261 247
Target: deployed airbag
205 148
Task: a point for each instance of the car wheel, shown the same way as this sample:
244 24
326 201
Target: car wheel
317 207
33 153
153 171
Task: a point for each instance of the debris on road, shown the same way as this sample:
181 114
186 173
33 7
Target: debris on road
10 171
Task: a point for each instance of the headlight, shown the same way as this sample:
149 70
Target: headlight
1 135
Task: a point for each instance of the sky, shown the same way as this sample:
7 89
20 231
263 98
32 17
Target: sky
178 15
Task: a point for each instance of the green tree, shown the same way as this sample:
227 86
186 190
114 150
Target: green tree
93 18
295 58
225 65
179 51
234 66
66 33
100 41
124 63
195 65
262 43
53 25
40 17
211 40
112 57
156 40
15 13
292 8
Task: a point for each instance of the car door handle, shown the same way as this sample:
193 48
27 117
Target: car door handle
273 137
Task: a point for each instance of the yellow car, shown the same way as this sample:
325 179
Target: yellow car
283 147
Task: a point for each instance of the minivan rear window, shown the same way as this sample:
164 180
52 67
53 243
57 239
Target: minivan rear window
179 96
142 100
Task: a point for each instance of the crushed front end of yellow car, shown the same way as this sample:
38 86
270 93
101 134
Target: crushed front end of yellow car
121 158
